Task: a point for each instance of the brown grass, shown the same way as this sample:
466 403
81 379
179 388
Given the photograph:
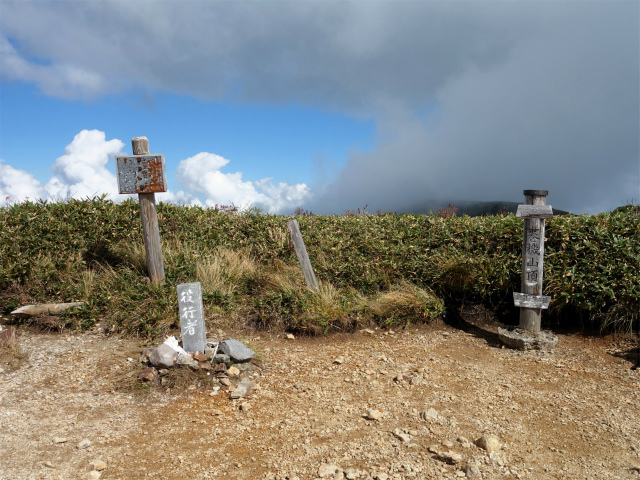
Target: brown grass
10 352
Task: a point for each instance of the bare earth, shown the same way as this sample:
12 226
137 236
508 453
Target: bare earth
571 414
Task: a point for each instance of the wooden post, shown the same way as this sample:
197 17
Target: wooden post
144 174
149 217
531 301
301 252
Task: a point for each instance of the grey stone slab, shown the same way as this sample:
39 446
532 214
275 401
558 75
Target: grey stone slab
236 350
194 335
524 340
243 389
188 362
221 358
163 356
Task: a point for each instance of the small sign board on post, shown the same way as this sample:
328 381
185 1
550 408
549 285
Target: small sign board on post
141 174
194 335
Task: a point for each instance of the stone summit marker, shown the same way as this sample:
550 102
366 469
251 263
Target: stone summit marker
194 335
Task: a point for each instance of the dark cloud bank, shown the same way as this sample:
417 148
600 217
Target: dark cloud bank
473 100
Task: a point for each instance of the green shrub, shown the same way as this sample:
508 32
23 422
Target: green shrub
92 250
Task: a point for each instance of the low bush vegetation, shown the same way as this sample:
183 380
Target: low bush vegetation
384 269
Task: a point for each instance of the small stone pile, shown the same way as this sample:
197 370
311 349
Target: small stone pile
228 361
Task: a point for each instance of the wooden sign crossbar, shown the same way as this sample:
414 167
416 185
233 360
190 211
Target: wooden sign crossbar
534 211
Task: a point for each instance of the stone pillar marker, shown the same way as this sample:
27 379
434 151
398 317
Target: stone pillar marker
194 334
530 300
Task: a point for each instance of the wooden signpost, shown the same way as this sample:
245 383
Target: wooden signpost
530 300
144 174
301 252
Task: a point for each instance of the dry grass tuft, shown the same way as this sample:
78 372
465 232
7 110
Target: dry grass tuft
225 271
88 280
282 277
406 302
134 255
10 352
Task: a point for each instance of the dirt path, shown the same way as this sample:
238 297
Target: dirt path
572 414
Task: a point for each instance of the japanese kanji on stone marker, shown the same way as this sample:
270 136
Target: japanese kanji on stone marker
194 335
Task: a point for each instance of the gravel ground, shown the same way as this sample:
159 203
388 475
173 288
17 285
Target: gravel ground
379 405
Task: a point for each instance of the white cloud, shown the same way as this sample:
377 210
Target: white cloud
201 175
59 80
82 173
18 185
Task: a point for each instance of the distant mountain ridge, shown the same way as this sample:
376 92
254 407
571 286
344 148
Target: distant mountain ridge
475 209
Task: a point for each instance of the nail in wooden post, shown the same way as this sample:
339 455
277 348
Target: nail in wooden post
144 174
531 301
301 252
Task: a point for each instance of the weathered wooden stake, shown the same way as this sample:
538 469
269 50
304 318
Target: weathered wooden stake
531 301
301 252
149 217
144 174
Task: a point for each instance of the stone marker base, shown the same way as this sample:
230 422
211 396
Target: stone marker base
520 339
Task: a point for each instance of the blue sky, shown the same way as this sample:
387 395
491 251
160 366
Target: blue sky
289 142
331 106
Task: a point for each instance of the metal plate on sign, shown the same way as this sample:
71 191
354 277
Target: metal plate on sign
141 174
531 301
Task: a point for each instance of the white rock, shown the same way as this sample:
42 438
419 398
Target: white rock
373 414
498 457
93 475
327 470
490 443
472 471
98 465
406 438
83 444
59 440
451 457
351 473
430 414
